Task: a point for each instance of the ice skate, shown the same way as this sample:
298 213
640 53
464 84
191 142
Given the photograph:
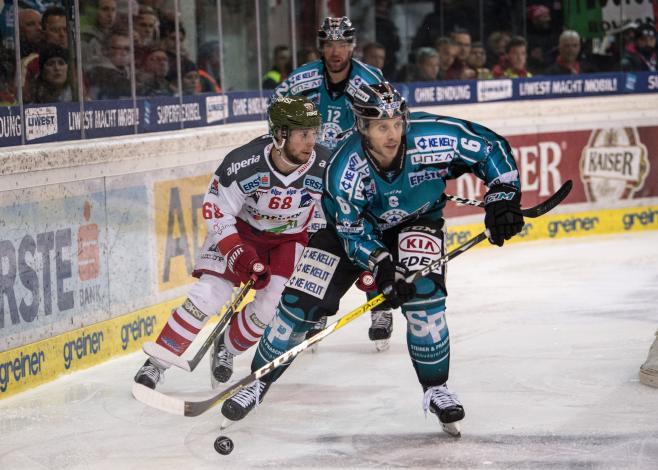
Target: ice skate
221 365
320 325
441 401
649 370
381 328
240 404
150 374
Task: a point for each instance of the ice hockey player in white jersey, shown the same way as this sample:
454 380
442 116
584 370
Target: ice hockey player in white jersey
258 206
331 83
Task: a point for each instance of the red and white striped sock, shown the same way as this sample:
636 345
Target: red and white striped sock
243 332
182 327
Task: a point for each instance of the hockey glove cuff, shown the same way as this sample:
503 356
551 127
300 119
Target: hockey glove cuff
503 216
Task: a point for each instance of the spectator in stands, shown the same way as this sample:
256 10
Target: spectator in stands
541 38
387 36
447 53
477 60
304 56
31 34
460 70
496 44
282 66
152 77
146 26
374 54
567 61
426 68
94 36
517 56
7 76
208 67
190 77
111 79
447 15
643 57
54 83
54 25
168 40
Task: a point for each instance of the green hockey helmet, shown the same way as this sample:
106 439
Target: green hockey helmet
292 112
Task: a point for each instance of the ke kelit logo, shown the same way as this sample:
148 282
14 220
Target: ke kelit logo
614 164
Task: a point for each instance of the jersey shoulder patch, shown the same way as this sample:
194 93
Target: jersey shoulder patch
303 79
244 164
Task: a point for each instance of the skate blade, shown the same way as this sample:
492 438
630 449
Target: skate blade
226 423
452 429
382 344
648 379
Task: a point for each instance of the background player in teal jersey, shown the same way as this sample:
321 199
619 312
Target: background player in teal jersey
331 84
384 204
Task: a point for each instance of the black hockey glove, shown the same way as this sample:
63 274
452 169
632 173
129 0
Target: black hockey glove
390 277
503 215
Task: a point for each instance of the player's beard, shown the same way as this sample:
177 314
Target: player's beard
295 159
340 67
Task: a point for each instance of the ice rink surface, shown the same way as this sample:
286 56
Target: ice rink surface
547 339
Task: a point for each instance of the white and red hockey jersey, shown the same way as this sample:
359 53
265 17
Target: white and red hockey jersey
247 186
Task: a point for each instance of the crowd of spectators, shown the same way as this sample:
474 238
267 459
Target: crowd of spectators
546 48
48 59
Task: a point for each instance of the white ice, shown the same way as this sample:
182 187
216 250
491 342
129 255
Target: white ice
547 339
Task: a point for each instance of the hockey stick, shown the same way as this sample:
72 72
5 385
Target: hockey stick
530 213
184 407
160 353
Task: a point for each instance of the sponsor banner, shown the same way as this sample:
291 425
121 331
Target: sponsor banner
247 106
166 113
578 224
28 366
54 274
180 228
438 93
606 164
10 126
63 121
129 234
106 118
50 122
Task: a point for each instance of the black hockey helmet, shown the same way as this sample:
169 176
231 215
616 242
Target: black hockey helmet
336 29
292 112
378 101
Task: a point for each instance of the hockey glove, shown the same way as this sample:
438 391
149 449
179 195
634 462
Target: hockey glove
243 261
503 216
390 277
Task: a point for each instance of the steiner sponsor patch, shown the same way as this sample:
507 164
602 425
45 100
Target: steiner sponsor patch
314 272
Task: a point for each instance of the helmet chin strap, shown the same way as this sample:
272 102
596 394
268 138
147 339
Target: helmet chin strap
282 153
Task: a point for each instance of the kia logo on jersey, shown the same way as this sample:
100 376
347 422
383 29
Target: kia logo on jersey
419 243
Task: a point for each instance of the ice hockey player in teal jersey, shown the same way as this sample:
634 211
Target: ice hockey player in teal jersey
384 201
333 80
331 83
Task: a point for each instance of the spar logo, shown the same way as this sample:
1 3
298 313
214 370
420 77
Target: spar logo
614 164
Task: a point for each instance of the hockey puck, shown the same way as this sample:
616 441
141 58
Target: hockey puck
224 445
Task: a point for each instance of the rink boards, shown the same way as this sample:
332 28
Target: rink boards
97 242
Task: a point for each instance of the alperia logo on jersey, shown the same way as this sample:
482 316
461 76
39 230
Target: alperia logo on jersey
237 166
